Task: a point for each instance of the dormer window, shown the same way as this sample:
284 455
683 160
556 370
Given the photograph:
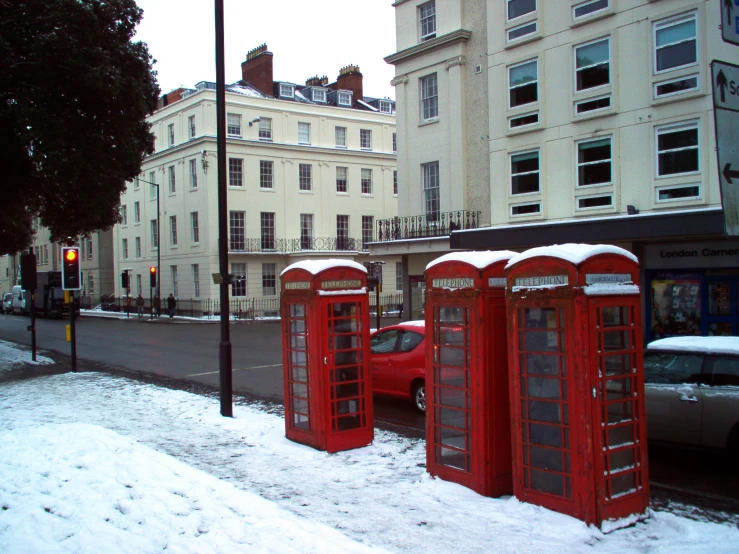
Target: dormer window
345 98
319 95
287 91
386 107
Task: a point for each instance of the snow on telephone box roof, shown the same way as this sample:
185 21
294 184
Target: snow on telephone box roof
573 253
316 266
480 260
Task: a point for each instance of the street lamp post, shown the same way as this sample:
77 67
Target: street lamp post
159 241
225 367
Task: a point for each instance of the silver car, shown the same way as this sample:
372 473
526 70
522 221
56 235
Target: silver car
692 391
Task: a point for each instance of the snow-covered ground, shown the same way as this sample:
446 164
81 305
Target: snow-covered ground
92 463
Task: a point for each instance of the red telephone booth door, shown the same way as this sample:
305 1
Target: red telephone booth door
544 456
299 404
345 370
618 408
450 423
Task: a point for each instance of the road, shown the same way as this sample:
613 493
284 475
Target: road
188 352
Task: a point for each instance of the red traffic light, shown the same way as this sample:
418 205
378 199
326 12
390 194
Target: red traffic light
152 269
71 255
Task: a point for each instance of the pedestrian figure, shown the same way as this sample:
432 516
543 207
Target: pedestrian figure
155 308
171 305
140 305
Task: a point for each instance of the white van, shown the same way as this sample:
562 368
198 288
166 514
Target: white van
19 300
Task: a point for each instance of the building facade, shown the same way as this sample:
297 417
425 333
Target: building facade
599 127
96 262
310 169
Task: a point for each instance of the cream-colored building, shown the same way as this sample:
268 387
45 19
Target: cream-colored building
96 262
311 168
570 121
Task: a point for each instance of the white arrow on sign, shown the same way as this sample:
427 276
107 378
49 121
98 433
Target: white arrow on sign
730 21
725 81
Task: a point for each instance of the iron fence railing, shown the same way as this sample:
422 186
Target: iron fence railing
240 308
289 246
421 226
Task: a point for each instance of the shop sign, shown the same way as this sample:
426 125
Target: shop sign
297 285
341 284
693 255
593 278
453 283
542 281
496 282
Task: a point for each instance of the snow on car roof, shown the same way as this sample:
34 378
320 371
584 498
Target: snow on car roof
706 345
414 323
479 260
573 253
316 266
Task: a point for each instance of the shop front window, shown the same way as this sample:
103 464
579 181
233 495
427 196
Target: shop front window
676 306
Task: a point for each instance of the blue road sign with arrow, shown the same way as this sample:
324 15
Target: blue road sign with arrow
730 21
725 83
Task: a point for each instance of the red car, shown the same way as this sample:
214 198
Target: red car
398 362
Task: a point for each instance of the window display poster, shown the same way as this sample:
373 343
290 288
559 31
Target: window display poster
675 307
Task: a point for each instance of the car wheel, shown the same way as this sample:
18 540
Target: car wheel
419 396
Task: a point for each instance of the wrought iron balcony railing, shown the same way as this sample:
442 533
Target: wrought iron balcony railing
421 226
290 246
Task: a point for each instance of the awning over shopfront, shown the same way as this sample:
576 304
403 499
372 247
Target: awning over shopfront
649 227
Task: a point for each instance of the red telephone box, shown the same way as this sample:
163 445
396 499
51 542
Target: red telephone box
577 382
468 439
325 346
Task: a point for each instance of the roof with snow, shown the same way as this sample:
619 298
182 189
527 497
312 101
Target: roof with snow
573 253
316 266
480 260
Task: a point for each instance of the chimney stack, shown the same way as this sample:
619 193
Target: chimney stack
170 97
316 81
350 78
257 70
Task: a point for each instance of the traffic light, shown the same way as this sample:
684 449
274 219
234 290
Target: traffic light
71 268
28 271
124 280
153 277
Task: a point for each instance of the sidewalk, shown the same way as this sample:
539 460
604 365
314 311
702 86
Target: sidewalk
91 462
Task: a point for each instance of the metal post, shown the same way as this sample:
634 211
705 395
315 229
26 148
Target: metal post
128 296
33 325
72 311
225 345
377 300
159 250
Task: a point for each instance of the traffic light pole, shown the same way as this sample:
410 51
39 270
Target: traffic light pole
33 325
73 313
